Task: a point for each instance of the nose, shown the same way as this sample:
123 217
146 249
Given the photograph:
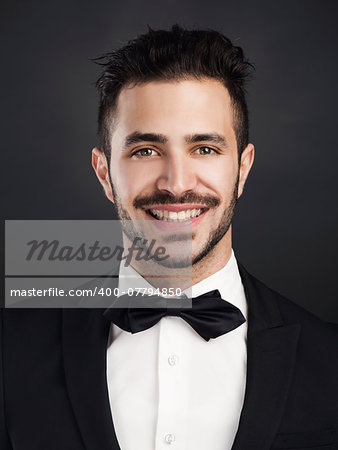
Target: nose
177 175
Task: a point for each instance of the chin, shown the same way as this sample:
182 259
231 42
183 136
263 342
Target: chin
176 263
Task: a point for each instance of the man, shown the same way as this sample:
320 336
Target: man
173 153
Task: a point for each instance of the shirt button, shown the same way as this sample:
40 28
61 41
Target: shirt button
169 438
173 360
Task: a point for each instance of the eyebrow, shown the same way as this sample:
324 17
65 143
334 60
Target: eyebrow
136 138
215 138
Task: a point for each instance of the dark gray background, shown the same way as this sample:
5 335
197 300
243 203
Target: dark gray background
285 227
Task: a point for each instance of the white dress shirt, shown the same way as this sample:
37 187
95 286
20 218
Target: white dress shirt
168 387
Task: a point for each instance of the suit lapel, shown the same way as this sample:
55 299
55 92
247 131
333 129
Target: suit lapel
85 336
272 349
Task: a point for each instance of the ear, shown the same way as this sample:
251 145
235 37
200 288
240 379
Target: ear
247 159
100 165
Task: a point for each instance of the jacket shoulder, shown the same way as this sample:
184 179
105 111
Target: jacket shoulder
291 312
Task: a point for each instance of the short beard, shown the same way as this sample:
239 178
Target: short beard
222 228
213 240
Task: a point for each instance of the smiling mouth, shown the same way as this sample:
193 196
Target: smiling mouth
167 215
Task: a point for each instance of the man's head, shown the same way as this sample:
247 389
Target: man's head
173 130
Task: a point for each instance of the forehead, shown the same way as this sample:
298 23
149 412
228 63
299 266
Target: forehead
175 108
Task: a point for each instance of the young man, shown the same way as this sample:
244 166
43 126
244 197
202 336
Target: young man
174 152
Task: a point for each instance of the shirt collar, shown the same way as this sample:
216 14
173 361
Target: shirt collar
227 280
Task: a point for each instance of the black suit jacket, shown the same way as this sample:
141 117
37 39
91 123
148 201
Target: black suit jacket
54 392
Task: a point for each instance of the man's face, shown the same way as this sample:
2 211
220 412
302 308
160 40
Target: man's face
173 149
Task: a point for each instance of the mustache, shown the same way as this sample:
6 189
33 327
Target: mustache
165 199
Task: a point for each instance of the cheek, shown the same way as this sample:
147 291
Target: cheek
222 178
130 179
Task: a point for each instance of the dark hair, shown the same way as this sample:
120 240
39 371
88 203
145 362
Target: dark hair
173 55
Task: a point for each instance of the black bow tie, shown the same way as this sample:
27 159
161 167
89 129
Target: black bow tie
209 315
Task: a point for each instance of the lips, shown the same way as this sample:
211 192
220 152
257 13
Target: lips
178 222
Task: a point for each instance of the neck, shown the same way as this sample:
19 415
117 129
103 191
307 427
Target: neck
214 261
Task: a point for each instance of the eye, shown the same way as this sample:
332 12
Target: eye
144 152
205 150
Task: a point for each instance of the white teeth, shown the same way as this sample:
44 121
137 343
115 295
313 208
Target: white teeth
170 216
